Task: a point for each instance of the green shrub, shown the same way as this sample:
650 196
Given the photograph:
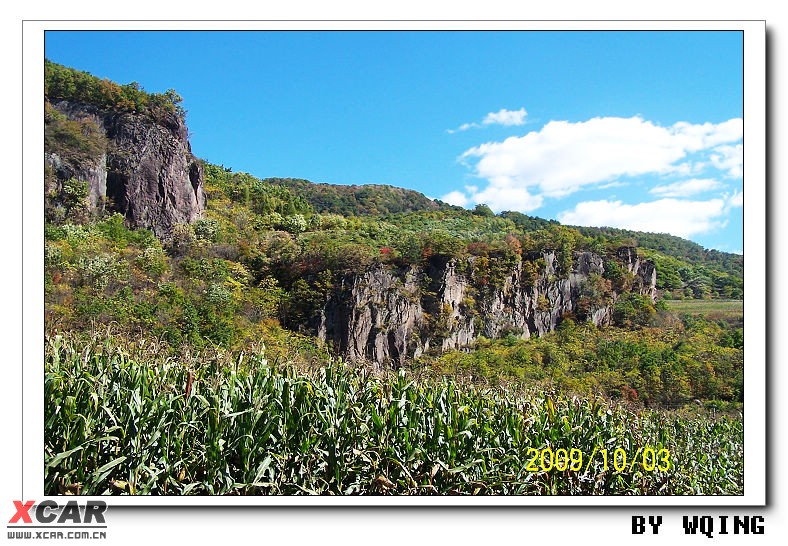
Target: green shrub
633 310
98 271
206 229
153 261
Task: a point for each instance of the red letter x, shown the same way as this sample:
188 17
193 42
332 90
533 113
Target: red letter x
21 511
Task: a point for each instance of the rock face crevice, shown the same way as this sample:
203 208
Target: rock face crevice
387 315
147 172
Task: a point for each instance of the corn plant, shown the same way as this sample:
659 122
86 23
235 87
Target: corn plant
127 417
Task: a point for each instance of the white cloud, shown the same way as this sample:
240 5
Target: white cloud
736 200
456 198
501 117
497 199
611 185
685 188
511 198
689 168
505 117
683 218
728 158
463 127
707 135
563 157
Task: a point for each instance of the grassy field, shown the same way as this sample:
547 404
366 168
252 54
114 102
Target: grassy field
731 311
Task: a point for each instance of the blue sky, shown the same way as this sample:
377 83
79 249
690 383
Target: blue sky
641 130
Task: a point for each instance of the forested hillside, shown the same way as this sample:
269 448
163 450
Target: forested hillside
686 269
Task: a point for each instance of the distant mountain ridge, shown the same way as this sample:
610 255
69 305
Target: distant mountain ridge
360 200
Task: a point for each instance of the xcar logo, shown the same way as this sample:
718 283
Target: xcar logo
46 512
49 515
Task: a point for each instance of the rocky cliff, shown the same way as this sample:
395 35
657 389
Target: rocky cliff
132 163
386 315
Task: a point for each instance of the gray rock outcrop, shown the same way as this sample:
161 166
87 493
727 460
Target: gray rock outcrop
387 315
147 171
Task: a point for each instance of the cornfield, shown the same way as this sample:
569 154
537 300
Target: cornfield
122 417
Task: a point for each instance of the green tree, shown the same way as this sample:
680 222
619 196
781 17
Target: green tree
633 310
483 210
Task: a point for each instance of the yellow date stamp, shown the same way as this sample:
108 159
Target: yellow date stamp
619 460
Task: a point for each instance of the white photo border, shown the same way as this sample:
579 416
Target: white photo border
755 237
